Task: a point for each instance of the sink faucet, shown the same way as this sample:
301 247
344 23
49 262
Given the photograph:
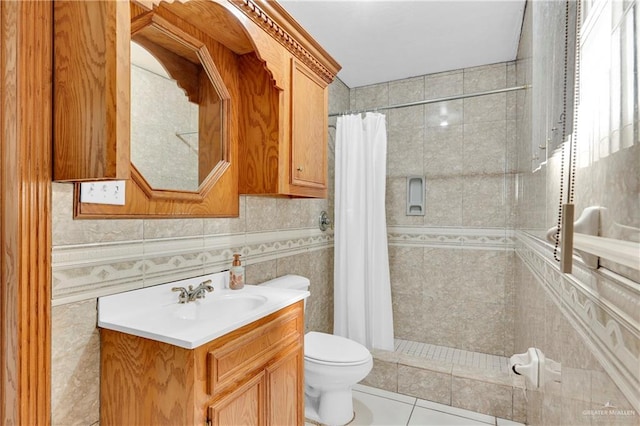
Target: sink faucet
191 294
184 294
199 292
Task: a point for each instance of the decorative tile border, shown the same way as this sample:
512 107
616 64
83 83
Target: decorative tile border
474 238
86 271
602 306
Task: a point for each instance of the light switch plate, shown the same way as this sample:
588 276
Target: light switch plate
103 192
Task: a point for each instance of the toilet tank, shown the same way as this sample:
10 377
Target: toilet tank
295 282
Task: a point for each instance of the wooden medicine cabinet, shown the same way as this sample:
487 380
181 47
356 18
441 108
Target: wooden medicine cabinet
252 90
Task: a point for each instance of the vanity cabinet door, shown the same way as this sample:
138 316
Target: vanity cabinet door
308 165
244 406
285 387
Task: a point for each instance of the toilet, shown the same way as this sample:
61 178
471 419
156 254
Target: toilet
332 365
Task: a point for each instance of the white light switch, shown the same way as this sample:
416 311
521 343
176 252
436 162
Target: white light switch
103 192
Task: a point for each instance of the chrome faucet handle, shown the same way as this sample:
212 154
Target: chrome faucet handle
199 291
183 297
206 285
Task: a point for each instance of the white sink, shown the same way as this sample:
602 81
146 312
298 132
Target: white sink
216 306
155 313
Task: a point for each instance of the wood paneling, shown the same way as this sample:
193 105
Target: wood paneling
309 120
25 188
91 90
260 130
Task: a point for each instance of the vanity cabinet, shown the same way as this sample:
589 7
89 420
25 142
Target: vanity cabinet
309 120
283 148
251 376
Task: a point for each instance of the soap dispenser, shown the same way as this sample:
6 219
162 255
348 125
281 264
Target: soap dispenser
236 281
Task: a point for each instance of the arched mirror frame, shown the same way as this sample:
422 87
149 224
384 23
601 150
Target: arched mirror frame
161 26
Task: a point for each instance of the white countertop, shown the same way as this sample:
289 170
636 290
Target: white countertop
155 313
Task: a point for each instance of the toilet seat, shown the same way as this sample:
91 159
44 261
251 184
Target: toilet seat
328 349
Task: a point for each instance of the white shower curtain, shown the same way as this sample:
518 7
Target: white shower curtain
362 289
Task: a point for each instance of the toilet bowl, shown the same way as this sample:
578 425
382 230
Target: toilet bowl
332 365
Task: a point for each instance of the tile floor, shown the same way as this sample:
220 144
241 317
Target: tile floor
379 407
452 355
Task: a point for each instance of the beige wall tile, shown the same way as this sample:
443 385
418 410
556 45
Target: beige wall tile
441 271
451 112
169 228
316 265
383 375
367 97
443 151
444 84
443 202
404 152
262 213
485 108
228 225
483 276
471 395
408 317
440 323
75 364
338 97
406 270
68 231
406 90
484 149
425 384
486 77
289 213
484 201
405 117
481 328
257 273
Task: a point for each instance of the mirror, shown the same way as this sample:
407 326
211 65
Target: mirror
179 108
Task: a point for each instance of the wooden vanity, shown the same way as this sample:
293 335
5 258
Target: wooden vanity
251 376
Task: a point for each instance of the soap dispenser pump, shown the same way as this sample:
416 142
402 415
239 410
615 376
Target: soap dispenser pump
236 281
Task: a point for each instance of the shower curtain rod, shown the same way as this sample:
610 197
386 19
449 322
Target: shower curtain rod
436 100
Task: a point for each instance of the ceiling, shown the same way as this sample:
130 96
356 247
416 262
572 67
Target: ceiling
377 41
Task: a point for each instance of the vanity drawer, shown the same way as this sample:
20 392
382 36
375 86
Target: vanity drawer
252 347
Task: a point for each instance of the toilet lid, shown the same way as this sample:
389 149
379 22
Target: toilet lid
325 348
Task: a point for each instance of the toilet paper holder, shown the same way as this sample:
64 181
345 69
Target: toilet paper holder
535 367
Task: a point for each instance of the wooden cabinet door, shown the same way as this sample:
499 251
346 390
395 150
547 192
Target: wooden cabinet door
285 389
309 121
244 406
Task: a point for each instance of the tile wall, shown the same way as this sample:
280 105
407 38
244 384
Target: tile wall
276 236
445 291
589 320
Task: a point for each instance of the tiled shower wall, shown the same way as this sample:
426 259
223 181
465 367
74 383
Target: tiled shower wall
451 269
589 320
276 236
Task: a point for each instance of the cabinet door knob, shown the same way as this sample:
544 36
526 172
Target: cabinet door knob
299 168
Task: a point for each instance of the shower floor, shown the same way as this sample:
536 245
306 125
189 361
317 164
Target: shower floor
452 355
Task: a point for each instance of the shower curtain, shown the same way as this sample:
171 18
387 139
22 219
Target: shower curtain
362 289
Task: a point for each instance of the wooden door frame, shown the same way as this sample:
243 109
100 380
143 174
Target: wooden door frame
25 211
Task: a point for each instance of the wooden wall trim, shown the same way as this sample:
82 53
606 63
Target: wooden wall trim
25 232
